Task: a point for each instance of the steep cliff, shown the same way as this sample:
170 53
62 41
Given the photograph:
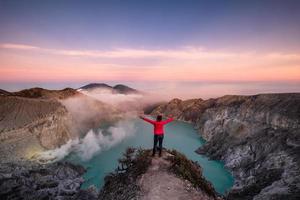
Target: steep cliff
257 137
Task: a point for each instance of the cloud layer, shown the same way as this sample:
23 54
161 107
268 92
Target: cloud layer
182 53
29 62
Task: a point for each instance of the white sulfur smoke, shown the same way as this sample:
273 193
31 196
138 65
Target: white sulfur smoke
93 142
59 153
123 102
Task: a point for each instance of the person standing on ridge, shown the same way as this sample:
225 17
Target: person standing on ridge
158 131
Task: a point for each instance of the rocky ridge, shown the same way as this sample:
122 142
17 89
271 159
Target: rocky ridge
256 136
43 93
172 176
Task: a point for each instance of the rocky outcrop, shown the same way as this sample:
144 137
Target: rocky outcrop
257 137
32 181
172 176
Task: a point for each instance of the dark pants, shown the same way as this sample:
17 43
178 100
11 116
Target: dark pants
159 139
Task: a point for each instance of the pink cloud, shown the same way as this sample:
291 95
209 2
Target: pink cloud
18 46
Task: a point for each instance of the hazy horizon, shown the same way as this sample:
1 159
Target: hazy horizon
182 90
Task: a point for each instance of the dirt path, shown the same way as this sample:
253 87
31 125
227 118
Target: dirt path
160 184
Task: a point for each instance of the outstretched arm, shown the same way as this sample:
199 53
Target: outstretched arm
147 120
168 120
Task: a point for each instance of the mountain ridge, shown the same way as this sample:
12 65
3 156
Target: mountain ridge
38 92
171 176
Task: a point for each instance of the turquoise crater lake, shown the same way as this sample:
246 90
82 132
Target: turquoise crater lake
178 135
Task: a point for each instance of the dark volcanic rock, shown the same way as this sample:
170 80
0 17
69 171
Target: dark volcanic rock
32 181
123 183
258 138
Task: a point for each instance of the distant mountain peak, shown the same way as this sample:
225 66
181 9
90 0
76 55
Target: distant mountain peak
123 89
119 88
96 85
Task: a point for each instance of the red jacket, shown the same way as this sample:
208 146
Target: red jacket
158 125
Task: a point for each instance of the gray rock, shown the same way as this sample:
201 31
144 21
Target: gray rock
33 181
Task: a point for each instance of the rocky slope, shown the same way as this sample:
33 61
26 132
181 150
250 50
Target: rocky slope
172 176
17 112
258 138
31 124
36 119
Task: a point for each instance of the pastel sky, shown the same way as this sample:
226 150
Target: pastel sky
210 41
